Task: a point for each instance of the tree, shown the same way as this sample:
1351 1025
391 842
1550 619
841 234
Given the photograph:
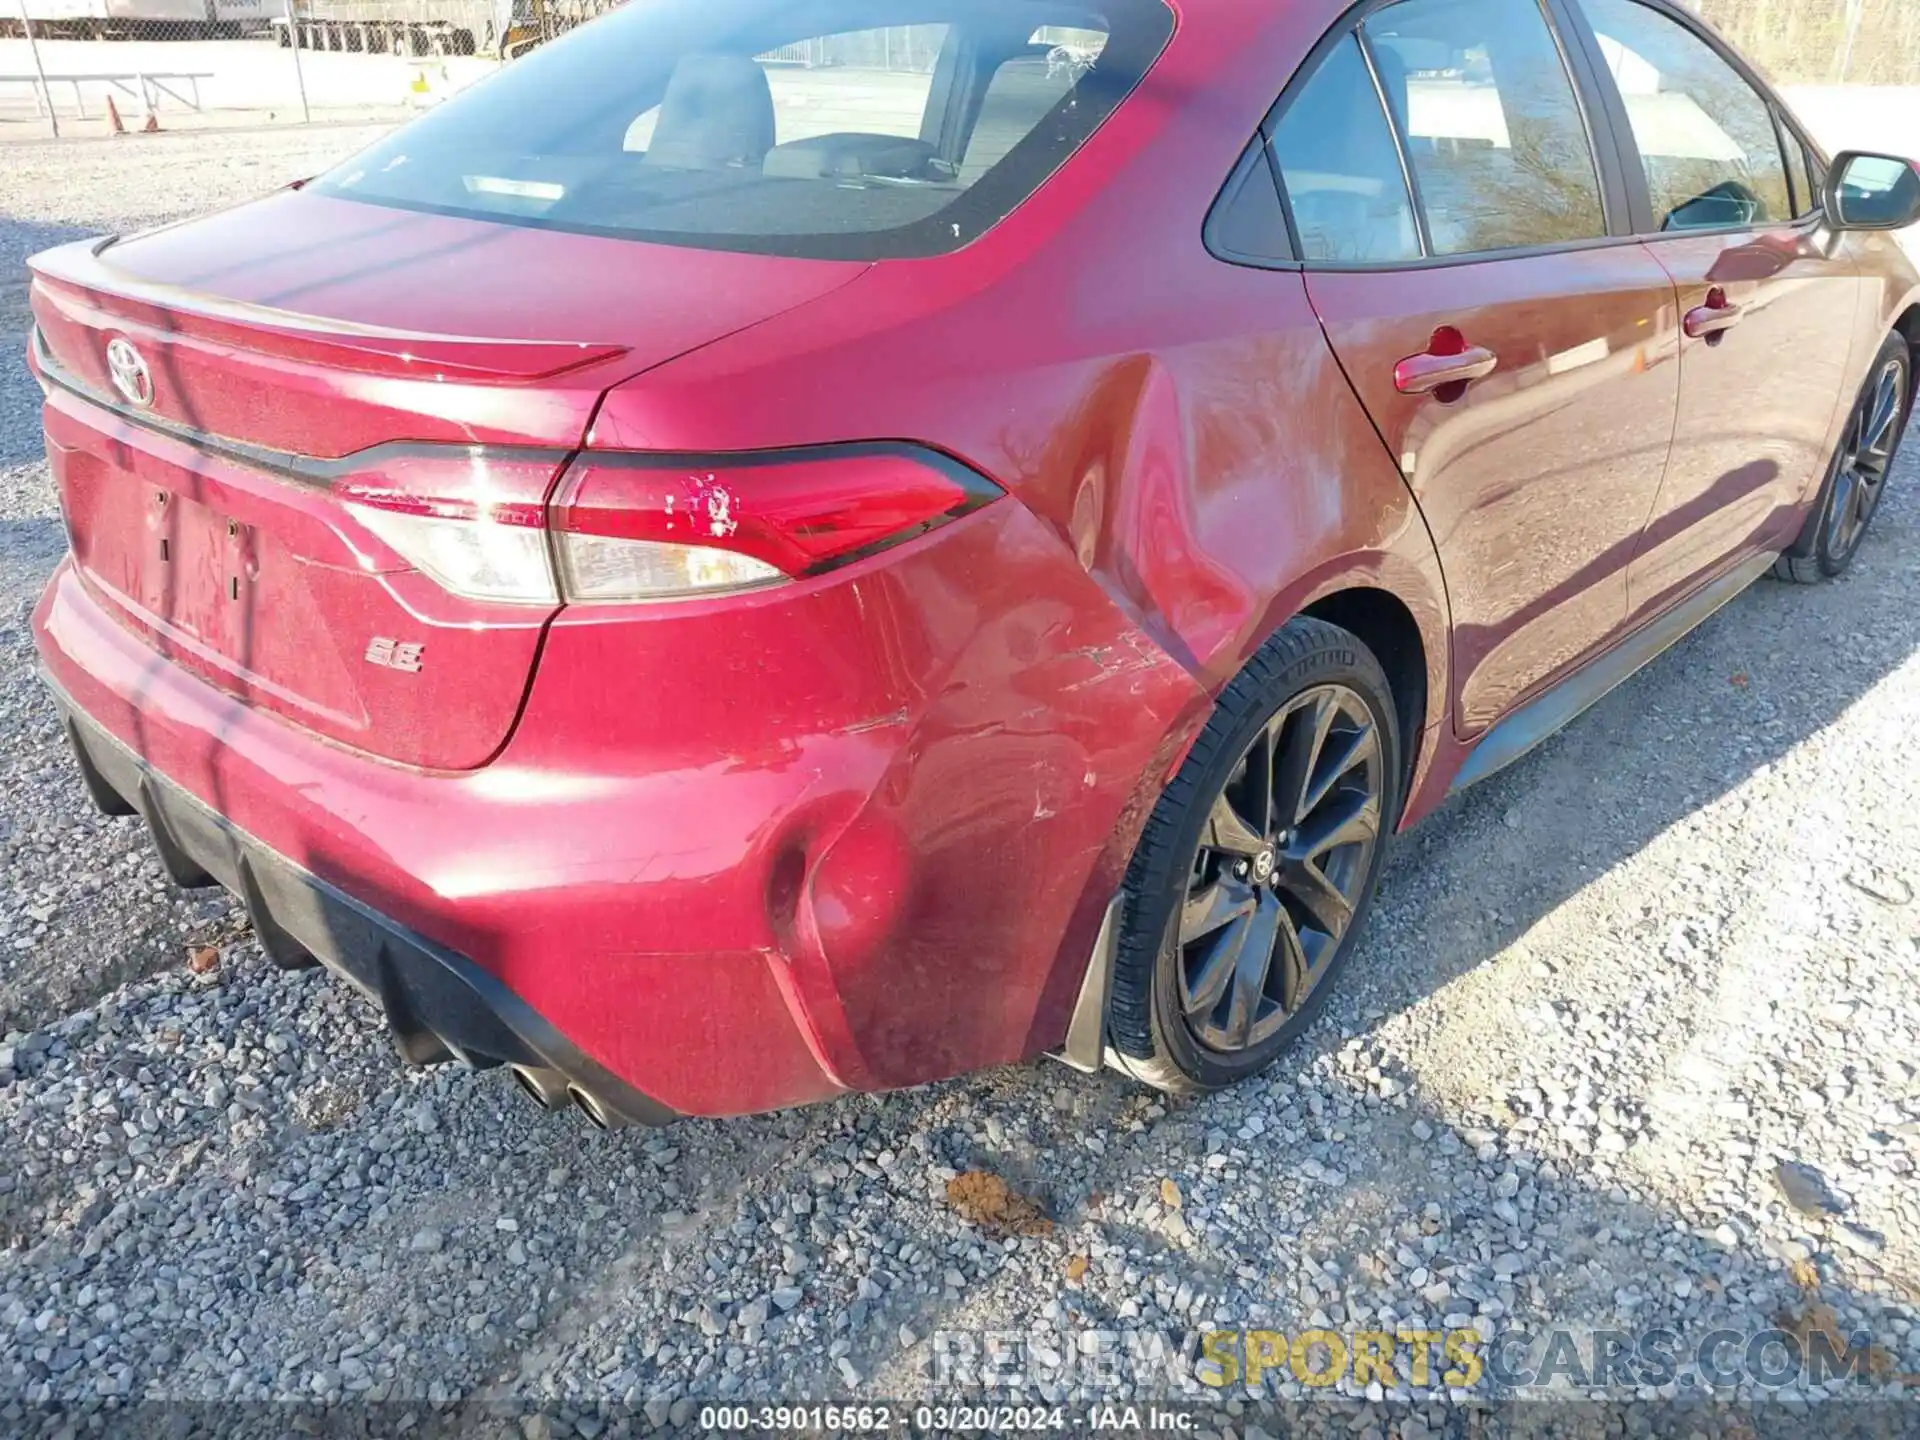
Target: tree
1825 42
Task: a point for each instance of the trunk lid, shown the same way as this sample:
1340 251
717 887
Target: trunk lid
274 356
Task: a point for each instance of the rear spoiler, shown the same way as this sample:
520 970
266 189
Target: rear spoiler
81 275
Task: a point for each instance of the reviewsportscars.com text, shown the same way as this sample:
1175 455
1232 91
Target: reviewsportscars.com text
1276 1363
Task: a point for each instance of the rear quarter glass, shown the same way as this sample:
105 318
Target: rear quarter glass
846 129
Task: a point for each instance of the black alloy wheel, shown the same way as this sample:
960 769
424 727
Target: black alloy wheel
1866 459
1280 869
1861 470
1253 876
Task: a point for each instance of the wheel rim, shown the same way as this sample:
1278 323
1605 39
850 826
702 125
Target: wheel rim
1867 460
1280 870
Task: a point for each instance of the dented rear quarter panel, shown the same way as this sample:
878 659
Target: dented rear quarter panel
1189 469
860 831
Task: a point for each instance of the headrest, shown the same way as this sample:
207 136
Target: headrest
718 113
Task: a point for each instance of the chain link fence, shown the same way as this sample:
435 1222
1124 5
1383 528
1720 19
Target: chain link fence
93 67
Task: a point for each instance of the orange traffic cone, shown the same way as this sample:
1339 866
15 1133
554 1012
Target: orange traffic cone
152 127
114 124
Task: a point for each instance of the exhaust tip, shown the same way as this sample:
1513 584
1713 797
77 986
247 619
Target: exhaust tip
552 1091
547 1087
591 1108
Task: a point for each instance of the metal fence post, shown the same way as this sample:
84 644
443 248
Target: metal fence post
46 90
299 74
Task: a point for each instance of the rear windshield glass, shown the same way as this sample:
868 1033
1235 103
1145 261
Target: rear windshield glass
840 129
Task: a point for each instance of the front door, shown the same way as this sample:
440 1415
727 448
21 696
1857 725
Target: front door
1768 299
1514 348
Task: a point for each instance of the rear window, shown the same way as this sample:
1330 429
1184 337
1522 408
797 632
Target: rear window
837 129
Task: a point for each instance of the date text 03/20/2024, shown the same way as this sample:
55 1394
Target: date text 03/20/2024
942 1419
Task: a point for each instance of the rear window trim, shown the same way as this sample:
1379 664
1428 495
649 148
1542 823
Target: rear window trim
974 213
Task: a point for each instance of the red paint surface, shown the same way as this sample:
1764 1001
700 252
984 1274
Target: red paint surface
859 830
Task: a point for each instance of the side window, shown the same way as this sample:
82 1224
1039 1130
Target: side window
1495 137
1341 168
1706 136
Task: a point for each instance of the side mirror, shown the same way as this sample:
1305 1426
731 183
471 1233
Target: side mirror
1873 192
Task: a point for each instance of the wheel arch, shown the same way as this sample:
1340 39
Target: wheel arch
1908 327
1385 625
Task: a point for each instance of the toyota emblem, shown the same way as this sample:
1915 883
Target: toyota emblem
130 374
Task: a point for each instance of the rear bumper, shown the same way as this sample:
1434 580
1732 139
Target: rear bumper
439 1006
856 833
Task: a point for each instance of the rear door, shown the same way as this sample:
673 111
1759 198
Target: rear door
1768 296
1468 251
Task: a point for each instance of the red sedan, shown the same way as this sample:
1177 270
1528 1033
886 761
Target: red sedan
773 549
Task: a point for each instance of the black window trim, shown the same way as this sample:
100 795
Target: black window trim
1817 161
1590 99
1634 165
1804 206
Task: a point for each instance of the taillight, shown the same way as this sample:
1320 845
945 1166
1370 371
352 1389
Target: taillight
640 527
624 528
472 520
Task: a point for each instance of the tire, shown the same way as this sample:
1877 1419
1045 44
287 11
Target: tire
1858 477
1312 712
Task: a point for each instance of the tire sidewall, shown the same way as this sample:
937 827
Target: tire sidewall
1340 662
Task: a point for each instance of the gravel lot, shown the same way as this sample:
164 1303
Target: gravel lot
1603 998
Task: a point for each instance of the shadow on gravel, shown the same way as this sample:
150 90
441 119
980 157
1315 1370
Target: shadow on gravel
374 1214
34 541
1774 669
445 1238
1475 1230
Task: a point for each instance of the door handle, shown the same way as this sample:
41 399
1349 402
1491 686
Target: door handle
1450 364
1715 318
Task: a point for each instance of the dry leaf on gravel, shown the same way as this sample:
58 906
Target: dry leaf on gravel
204 960
988 1201
1819 1320
1804 1275
1170 1195
1076 1268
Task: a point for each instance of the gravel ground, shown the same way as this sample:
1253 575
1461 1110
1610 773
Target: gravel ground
1604 998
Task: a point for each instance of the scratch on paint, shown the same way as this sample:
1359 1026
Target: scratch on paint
1113 662
880 722
1044 811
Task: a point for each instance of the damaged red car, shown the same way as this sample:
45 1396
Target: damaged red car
775 549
